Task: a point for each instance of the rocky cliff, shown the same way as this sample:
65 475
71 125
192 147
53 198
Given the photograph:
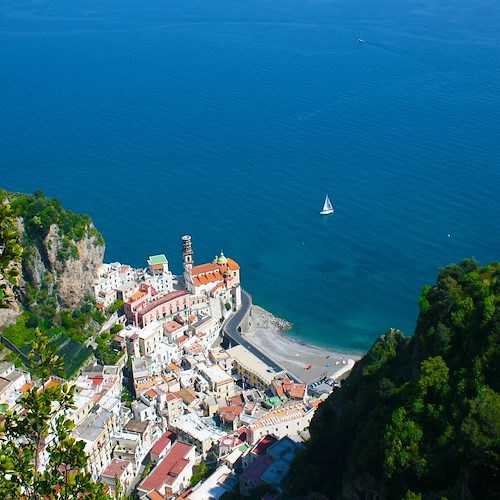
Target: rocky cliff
57 261
68 275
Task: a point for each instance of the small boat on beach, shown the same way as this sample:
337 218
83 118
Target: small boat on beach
327 207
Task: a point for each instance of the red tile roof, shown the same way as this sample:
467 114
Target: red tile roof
136 296
26 387
230 441
237 400
243 433
194 348
229 413
116 468
204 268
162 443
171 396
279 390
187 395
151 393
266 441
217 286
154 495
97 380
162 300
212 267
207 278
232 264
314 402
169 468
255 470
297 391
172 326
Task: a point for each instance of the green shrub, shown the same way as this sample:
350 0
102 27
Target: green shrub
18 333
200 472
115 306
40 212
116 328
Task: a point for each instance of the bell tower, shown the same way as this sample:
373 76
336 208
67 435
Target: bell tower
187 256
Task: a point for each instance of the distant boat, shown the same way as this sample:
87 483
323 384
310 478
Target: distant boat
360 40
327 207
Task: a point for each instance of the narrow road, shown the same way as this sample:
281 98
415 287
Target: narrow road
230 331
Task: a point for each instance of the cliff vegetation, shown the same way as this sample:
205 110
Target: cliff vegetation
48 282
419 417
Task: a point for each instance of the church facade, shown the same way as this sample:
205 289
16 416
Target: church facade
213 279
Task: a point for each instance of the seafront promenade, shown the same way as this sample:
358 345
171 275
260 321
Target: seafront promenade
232 333
304 362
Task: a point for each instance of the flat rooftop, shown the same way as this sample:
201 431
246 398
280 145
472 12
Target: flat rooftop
219 482
251 362
216 374
283 414
157 259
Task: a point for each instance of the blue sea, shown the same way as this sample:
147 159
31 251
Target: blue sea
231 121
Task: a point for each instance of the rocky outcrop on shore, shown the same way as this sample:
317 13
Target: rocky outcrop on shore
267 319
304 361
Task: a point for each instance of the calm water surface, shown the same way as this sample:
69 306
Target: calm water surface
230 121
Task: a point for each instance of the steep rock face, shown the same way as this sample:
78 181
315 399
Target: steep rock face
79 274
69 274
67 268
9 314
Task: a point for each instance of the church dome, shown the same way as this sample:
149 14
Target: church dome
222 259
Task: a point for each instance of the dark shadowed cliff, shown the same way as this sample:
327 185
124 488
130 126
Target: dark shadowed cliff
419 417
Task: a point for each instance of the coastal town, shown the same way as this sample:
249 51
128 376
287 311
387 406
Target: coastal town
203 381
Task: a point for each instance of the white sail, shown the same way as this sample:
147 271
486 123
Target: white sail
328 204
327 207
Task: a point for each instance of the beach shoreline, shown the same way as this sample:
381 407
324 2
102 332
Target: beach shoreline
305 361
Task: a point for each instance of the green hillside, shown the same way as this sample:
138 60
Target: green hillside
419 416
38 248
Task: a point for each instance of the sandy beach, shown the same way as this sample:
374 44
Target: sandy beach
266 335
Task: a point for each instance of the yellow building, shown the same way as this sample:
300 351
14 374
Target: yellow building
96 431
150 338
221 383
252 370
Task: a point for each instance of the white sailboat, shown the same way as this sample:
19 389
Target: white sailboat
327 207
